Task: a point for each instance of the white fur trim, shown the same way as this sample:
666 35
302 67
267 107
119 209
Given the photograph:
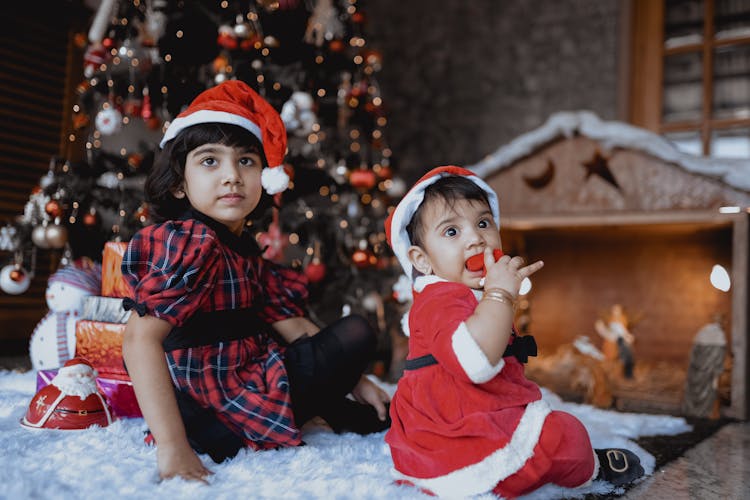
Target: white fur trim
471 357
423 281
208 116
410 203
483 476
274 179
405 323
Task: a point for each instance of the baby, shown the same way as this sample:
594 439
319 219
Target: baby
465 419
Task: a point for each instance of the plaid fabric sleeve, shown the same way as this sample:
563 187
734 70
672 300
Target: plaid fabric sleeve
171 267
284 292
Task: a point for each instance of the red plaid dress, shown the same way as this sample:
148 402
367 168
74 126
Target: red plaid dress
180 270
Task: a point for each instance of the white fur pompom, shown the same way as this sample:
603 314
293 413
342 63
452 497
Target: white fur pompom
274 180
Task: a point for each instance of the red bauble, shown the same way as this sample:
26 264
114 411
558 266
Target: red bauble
358 17
227 41
363 258
53 208
17 275
315 271
336 46
363 178
90 219
135 160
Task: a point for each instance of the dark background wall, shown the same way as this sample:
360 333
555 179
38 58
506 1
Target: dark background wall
461 78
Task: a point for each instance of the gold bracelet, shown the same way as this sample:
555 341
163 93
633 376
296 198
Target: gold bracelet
500 299
500 295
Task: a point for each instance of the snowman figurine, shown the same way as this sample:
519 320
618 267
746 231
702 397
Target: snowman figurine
54 338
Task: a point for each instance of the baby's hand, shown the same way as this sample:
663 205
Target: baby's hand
508 272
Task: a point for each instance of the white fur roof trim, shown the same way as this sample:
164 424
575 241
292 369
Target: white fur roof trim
612 134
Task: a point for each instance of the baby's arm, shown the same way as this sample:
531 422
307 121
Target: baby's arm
491 323
144 356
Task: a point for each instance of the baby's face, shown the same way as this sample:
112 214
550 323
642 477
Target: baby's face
452 234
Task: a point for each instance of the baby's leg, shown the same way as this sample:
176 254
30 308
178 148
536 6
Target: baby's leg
324 368
563 456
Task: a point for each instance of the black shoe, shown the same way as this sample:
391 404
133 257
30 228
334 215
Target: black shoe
618 466
350 416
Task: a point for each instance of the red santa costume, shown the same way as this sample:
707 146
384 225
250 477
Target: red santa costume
463 426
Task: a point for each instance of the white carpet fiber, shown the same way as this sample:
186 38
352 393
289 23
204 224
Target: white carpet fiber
113 462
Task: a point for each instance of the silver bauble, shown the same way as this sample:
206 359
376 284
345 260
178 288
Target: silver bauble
14 286
56 235
39 236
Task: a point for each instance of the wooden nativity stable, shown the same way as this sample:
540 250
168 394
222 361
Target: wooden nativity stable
619 216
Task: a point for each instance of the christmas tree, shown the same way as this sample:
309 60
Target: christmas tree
143 61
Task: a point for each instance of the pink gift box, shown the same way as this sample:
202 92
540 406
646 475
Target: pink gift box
117 389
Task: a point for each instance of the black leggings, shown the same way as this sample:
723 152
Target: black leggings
322 370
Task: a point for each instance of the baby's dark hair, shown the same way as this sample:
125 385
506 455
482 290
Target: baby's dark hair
449 189
168 171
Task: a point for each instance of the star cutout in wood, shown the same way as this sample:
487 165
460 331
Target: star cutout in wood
599 165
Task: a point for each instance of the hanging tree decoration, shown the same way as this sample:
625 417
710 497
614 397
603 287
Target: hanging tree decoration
14 279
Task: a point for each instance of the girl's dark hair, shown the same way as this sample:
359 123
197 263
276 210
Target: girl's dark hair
449 189
168 171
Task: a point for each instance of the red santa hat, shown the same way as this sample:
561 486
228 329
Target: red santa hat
235 103
395 224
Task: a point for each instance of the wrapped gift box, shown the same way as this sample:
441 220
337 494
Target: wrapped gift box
112 283
117 389
106 309
101 344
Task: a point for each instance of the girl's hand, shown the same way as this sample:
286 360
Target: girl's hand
180 461
508 272
366 391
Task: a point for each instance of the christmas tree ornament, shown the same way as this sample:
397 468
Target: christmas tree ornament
324 24
108 120
227 38
363 178
91 218
315 270
363 256
53 208
8 240
54 338
14 279
71 401
56 234
273 241
94 59
336 45
146 111
39 235
298 115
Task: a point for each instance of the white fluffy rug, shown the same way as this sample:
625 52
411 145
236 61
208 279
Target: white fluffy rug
113 462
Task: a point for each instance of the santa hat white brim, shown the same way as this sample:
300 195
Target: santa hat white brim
208 116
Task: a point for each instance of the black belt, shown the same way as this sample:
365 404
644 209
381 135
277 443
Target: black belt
521 349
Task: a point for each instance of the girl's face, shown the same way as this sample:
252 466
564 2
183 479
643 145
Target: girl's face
452 234
222 182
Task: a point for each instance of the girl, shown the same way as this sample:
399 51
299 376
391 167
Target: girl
220 353
466 420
